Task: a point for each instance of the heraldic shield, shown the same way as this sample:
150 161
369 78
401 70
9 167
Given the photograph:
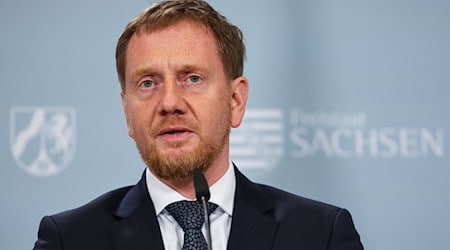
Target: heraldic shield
42 139
258 143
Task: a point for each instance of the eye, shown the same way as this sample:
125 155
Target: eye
147 83
194 79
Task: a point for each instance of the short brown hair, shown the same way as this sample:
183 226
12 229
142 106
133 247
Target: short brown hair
228 37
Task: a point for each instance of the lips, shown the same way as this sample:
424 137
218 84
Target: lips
174 131
175 134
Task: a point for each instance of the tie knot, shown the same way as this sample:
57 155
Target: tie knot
189 214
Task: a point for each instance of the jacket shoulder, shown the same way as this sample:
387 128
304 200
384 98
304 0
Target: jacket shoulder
83 227
320 223
100 208
288 201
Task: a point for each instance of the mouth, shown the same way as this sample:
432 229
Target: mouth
175 133
175 130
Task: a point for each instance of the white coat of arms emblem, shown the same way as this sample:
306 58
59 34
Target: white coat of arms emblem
258 142
42 138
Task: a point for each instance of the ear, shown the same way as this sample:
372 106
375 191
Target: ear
127 112
239 92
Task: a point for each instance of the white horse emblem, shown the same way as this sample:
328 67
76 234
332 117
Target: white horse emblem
42 139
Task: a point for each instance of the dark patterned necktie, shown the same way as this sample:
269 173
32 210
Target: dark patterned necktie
189 215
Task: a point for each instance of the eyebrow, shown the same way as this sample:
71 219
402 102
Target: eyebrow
140 72
184 68
192 68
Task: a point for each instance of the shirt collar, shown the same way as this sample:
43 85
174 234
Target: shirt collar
222 192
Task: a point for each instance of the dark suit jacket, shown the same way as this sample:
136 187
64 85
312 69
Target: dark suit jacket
263 218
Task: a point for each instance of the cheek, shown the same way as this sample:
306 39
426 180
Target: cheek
220 115
138 121
131 124
128 118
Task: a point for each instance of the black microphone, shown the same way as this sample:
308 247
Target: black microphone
202 194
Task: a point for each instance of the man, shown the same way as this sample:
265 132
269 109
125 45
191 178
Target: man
180 65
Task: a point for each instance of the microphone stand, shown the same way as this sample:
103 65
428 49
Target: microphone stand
202 194
208 230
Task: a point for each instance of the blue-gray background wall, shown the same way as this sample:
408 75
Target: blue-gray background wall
348 105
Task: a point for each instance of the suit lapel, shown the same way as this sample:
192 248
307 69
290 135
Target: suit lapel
138 228
251 226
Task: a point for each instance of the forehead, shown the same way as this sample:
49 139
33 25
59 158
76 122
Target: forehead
183 39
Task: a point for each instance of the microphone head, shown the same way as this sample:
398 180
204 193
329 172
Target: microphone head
200 185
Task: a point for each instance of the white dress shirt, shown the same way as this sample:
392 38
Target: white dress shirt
222 194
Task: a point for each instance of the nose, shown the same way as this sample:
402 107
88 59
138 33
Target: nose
171 99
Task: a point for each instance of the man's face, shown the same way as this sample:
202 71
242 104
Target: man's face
178 103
